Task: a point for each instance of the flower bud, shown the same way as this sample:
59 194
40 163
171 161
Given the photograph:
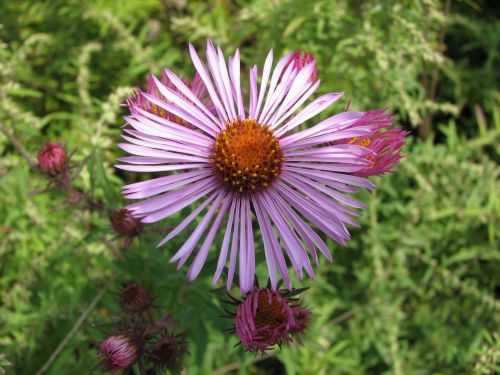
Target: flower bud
168 351
125 224
53 159
134 298
119 352
266 318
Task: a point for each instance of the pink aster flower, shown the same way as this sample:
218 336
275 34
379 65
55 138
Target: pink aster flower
118 352
245 162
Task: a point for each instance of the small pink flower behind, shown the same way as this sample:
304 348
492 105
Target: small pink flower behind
301 60
267 317
139 100
119 352
53 159
384 142
134 298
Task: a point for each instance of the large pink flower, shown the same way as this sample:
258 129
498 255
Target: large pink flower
246 162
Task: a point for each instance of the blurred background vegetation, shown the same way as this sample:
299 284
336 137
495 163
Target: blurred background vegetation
416 292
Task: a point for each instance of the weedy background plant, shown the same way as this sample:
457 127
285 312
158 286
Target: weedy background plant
417 289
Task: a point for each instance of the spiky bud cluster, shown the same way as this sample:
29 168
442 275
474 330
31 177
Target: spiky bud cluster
139 337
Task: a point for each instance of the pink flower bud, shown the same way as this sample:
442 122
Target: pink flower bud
53 159
125 224
119 352
168 351
134 298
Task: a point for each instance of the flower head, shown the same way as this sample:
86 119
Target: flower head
53 159
119 352
168 351
134 298
247 163
267 317
124 223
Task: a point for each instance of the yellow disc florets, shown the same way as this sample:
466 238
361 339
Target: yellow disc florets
247 156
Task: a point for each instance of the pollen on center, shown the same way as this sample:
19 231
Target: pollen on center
247 156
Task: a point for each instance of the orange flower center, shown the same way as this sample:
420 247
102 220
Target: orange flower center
270 311
247 156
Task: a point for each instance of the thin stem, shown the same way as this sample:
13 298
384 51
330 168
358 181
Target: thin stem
73 330
425 127
18 145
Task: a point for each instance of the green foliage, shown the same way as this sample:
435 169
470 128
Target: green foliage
416 291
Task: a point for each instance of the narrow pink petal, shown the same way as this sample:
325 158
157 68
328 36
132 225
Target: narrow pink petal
268 245
159 168
316 195
185 111
284 112
250 259
234 244
161 181
179 228
182 202
225 243
342 198
201 69
337 177
243 248
191 96
214 67
313 212
311 110
147 151
188 246
226 81
299 86
189 106
252 106
265 78
162 189
166 145
234 70
330 125
327 166
153 120
199 260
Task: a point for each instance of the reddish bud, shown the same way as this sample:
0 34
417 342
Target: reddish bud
53 159
134 298
168 351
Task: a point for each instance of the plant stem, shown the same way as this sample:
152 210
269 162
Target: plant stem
18 145
73 330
